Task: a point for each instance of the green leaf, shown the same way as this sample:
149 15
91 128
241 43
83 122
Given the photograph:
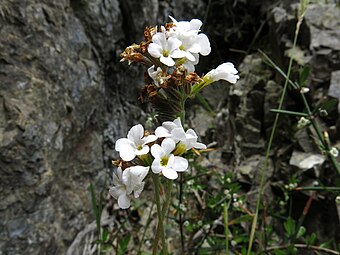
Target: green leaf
301 232
303 76
105 234
279 252
123 244
310 240
289 226
326 244
95 209
328 106
205 104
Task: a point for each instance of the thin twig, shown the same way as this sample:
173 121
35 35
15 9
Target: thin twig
301 246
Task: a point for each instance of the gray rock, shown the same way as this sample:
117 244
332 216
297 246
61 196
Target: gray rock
334 87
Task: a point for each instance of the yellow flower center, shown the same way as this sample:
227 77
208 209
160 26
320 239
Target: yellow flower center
165 53
164 161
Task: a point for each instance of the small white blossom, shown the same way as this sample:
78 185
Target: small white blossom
171 129
193 42
127 182
165 162
334 152
135 144
166 49
225 71
303 122
337 200
304 90
174 130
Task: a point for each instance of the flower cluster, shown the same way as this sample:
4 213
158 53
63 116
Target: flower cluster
175 49
161 152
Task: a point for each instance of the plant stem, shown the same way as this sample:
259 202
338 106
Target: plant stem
180 213
319 134
226 228
319 188
301 246
160 218
263 170
290 112
145 229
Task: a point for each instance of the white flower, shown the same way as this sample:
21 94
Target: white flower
303 122
166 163
155 74
165 48
135 144
158 76
334 152
192 42
192 25
127 182
174 130
225 71
171 129
190 65
337 200
191 140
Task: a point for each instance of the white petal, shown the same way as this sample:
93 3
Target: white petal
149 139
167 61
168 145
178 134
199 145
138 189
227 68
156 166
178 122
173 19
189 56
170 173
124 201
127 153
123 142
155 50
140 171
157 151
162 132
117 177
116 192
203 41
136 133
191 134
170 125
160 39
195 24
173 44
194 48
180 164
145 149
178 54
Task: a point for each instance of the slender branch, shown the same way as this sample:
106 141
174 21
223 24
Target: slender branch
160 218
226 224
180 213
302 247
145 229
264 168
